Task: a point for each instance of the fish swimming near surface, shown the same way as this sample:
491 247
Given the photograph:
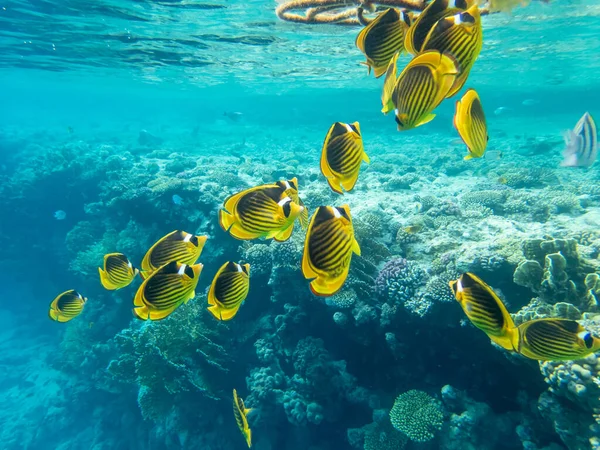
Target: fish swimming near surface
165 290
484 309
177 246
341 156
240 412
382 38
290 189
421 87
67 306
328 249
469 121
228 290
389 83
118 271
554 340
60 215
260 212
582 143
436 10
460 35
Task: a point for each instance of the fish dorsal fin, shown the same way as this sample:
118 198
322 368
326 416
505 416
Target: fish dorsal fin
339 129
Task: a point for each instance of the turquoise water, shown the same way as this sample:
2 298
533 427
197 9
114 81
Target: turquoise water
109 109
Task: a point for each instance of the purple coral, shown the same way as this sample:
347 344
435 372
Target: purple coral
398 280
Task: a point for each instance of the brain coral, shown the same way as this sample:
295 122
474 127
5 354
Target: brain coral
418 415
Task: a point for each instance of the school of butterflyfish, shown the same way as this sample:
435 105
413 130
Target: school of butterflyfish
444 41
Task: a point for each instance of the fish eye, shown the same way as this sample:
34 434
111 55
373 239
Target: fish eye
189 272
245 269
287 209
194 240
343 213
292 184
588 340
467 18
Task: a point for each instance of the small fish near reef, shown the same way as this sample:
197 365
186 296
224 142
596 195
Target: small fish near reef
228 290
165 290
177 200
177 246
484 309
554 340
240 412
341 156
261 212
493 155
582 143
421 87
234 116
118 272
67 306
328 249
60 215
469 121
382 38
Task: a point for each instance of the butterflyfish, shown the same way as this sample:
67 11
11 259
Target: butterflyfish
67 306
290 189
177 246
343 151
421 87
436 10
260 212
469 121
484 309
328 249
240 412
460 35
554 340
228 290
165 290
389 83
582 143
118 271
382 38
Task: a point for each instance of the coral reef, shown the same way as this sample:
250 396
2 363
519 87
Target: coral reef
417 415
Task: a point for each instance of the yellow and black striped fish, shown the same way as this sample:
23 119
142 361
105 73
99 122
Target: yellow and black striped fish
469 121
554 340
460 35
382 38
67 306
484 309
176 246
240 412
343 151
388 86
421 87
165 290
261 211
290 189
118 271
228 290
328 249
436 10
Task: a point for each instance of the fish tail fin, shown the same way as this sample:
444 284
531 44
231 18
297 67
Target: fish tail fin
215 310
141 312
349 183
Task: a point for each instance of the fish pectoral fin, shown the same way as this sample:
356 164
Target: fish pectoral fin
239 233
427 119
226 220
190 297
365 158
284 235
215 310
355 247
228 314
468 157
53 314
